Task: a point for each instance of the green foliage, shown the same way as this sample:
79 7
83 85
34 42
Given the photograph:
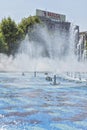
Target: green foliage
28 22
3 45
12 34
9 31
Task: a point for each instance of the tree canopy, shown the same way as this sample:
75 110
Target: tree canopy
12 34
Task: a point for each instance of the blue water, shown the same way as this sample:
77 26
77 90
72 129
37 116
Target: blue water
32 103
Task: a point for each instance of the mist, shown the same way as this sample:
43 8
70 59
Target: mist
45 51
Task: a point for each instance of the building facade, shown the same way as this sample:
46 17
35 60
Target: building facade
55 23
82 46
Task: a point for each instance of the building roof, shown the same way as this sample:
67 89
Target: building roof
83 33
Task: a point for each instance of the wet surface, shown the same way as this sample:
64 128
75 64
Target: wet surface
32 103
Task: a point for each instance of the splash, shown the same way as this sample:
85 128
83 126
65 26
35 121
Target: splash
45 50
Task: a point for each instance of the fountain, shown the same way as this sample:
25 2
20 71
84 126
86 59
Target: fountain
49 52
46 51
85 55
79 49
28 101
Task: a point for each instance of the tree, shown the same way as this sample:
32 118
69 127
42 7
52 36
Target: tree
28 22
11 34
3 45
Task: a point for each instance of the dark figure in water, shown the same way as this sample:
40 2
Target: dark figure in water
48 78
46 73
23 74
54 80
79 77
34 73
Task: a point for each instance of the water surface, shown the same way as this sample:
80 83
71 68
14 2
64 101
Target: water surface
32 103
